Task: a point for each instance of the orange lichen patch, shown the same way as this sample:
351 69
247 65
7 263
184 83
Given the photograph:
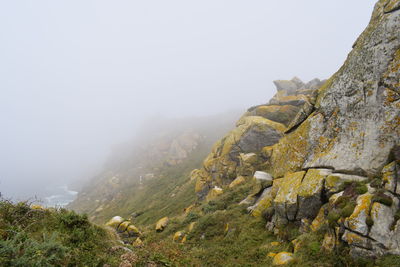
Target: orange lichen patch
357 220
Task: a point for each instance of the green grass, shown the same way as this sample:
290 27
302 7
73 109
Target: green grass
51 238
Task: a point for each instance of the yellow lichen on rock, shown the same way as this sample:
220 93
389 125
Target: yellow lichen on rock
274 244
238 181
283 258
161 224
123 226
262 205
289 188
279 113
271 254
178 236
133 230
313 182
319 220
267 200
289 154
37 207
214 193
137 243
357 220
115 222
187 210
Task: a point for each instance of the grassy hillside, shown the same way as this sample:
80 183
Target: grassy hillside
224 234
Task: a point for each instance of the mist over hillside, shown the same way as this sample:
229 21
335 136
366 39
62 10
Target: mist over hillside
70 89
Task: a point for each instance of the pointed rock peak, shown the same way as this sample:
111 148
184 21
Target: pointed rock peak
285 85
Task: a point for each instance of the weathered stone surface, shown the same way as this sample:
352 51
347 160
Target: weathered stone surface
263 176
231 155
280 113
283 258
285 202
132 230
383 219
291 152
357 221
161 224
390 177
319 220
305 110
309 193
335 181
263 203
356 240
214 193
178 236
359 101
284 85
115 221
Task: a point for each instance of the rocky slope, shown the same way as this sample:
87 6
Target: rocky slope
326 149
318 166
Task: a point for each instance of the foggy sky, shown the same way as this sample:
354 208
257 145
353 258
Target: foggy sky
77 76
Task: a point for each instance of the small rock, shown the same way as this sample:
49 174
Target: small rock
259 175
161 224
214 193
283 258
115 221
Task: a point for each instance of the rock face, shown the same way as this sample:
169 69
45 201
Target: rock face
331 152
238 153
356 121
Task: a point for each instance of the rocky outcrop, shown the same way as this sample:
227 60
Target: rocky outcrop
239 152
126 230
331 153
356 121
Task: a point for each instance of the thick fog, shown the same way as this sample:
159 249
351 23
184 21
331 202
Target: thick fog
78 76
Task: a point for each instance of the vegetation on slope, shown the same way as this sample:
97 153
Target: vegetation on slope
224 234
42 237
